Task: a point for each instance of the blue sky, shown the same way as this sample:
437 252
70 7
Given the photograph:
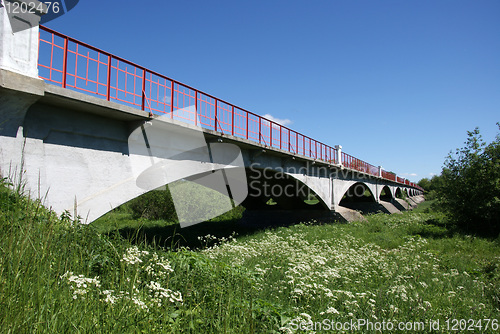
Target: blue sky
396 83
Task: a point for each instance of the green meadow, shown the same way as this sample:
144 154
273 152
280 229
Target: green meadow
127 274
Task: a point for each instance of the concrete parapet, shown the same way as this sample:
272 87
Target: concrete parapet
19 39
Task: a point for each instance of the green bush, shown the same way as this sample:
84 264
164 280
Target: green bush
431 186
470 189
156 204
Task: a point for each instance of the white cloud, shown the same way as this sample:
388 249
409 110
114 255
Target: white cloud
409 174
281 121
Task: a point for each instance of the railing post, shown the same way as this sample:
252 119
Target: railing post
289 143
379 171
232 120
260 128
216 119
339 154
248 116
271 134
281 130
196 108
296 142
143 88
65 63
108 86
172 99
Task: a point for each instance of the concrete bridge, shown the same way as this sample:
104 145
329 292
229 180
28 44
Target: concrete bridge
87 131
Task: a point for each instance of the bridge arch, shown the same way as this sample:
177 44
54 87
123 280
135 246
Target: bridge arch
386 194
270 189
187 191
358 192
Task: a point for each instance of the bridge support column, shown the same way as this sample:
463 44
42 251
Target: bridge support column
20 86
378 191
19 39
339 154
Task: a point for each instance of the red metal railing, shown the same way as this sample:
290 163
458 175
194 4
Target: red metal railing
354 163
388 175
75 65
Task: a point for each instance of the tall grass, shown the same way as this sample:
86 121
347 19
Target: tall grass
59 276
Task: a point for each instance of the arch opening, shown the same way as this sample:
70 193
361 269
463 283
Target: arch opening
275 190
357 193
385 194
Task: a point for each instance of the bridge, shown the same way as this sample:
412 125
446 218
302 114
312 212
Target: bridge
86 131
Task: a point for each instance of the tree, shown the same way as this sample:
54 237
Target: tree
431 186
425 183
470 184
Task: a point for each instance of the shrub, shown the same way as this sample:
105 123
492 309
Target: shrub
470 189
156 204
431 186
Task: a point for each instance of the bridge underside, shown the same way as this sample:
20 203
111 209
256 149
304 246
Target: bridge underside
87 156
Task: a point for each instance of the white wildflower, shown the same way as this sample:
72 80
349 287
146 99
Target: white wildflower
158 292
133 255
333 310
109 296
140 303
80 284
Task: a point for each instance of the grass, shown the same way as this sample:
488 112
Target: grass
115 276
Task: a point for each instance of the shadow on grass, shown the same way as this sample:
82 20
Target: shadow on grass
431 230
169 235
174 237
